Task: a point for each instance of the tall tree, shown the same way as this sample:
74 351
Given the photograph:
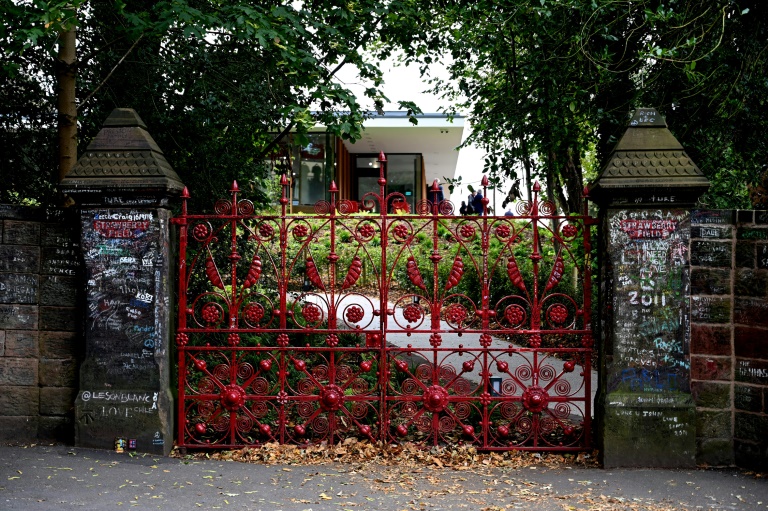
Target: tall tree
215 81
548 84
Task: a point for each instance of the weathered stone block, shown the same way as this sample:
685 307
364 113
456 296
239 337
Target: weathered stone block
711 253
762 256
751 311
711 232
18 371
19 259
61 261
745 216
19 429
750 455
752 371
55 428
58 373
19 400
710 394
2 343
21 233
750 342
713 424
710 310
751 233
712 216
59 290
60 345
59 318
14 212
710 368
57 400
745 254
18 288
710 340
751 283
748 398
751 427
19 317
705 281
62 235
21 344
715 452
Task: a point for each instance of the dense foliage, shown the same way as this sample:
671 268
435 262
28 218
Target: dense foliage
214 81
548 84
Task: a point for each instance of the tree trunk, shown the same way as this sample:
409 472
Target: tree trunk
67 105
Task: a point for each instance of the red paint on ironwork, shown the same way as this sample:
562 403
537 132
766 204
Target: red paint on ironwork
286 325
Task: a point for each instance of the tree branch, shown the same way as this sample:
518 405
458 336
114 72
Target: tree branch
94 91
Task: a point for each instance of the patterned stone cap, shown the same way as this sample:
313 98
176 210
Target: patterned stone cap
123 159
648 160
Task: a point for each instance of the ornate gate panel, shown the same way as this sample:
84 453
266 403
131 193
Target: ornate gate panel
422 327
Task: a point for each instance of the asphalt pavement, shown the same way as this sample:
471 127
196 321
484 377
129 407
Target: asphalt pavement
61 477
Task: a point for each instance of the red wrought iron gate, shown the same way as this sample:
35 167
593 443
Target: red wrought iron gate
423 327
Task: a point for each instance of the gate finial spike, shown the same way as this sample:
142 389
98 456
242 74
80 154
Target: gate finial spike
234 187
333 188
283 180
536 187
484 182
382 156
185 193
435 186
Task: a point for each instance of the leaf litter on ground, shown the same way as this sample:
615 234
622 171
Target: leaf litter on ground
352 451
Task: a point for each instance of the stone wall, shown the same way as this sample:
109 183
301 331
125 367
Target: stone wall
729 336
39 323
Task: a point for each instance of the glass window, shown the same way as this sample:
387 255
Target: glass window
310 182
403 171
309 166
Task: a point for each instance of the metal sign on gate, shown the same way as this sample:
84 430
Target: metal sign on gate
423 327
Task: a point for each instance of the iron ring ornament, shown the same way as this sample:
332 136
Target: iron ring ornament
232 397
435 399
535 399
343 323
331 398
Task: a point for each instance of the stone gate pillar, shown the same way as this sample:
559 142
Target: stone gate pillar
646 191
122 185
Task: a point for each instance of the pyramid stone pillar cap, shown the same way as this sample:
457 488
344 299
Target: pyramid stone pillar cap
122 166
649 166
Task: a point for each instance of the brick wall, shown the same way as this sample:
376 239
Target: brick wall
39 323
729 336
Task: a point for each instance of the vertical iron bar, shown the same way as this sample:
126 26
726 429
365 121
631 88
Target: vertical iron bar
181 221
282 290
383 306
485 303
435 304
332 259
234 257
587 292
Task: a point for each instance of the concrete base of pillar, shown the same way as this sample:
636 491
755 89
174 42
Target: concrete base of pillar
143 416
647 430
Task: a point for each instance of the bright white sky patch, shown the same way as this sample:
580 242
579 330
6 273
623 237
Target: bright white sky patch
403 83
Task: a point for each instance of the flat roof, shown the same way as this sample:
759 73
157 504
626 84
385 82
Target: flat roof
435 137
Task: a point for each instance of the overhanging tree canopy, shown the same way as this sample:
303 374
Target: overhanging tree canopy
213 80
547 84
